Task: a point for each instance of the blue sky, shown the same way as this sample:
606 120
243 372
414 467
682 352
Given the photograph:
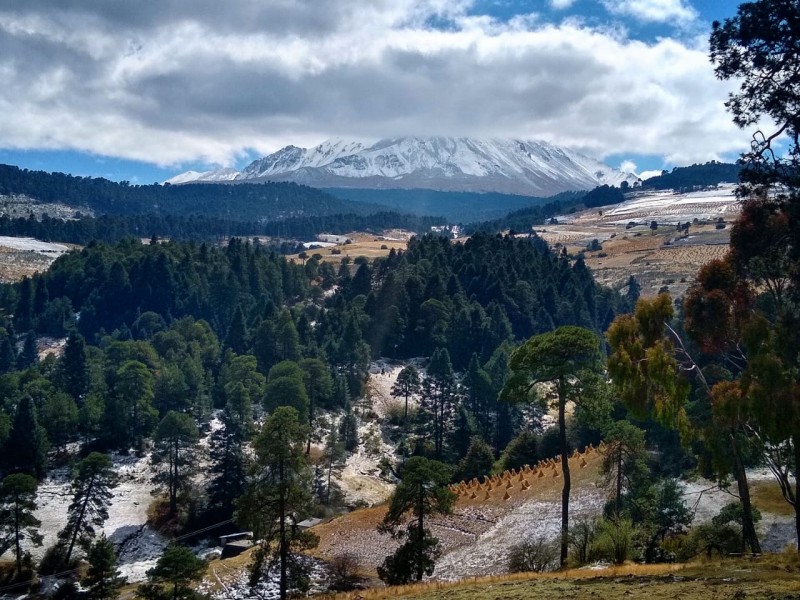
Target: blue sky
142 91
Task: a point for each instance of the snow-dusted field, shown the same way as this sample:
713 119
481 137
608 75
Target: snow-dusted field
138 546
668 207
32 245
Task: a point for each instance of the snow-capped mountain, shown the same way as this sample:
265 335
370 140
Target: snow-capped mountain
533 168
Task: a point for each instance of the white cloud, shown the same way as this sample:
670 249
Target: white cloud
658 11
644 175
170 86
561 4
628 166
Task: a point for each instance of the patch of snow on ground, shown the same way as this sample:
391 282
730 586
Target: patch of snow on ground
489 554
669 207
138 545
237 587
361 479
32 245
707 499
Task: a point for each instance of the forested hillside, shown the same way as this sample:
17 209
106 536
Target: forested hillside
707 174
457 207
107 228
267 201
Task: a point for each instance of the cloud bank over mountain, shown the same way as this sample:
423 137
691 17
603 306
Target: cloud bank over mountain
169 85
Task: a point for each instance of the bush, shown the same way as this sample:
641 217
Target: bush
522 450
582 535
395 412
537 556
711 540
54 560
615 540
343 573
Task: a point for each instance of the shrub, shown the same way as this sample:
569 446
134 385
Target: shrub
582 535
343 573
711 540
615 540
395 412
537 555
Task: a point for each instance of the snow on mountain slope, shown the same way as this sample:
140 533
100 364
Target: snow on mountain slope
226 174
526 167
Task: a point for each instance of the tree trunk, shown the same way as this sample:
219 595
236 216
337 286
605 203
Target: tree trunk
310 422
17 535
618 499
79 521
562 438
328 490
284 554
796 442
173 480
748 525
420 533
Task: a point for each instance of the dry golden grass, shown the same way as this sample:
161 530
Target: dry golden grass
356 532
766 496
769 577
363 244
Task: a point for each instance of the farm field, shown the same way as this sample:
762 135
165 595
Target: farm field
657 258
351 245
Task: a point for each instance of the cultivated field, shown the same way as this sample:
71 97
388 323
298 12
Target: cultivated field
25 256
658 258
333 248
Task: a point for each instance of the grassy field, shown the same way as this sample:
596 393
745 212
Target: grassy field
776 577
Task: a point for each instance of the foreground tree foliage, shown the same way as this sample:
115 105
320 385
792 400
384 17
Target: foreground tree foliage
17 522
173 576
568 358
174 456
102 580
421 493
278 493
760 46
92 483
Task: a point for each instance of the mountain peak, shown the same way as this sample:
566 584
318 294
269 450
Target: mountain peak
516 166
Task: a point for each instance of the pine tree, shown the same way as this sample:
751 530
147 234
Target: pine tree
74 369
60 416
438 396
348 430
422 492
26 450
318 384
566 357
130 414
237 334
280 491
102 580
478 461
228 467
406 385
17 521
92 483
333 457
173 575
8 352
30 353
173 455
